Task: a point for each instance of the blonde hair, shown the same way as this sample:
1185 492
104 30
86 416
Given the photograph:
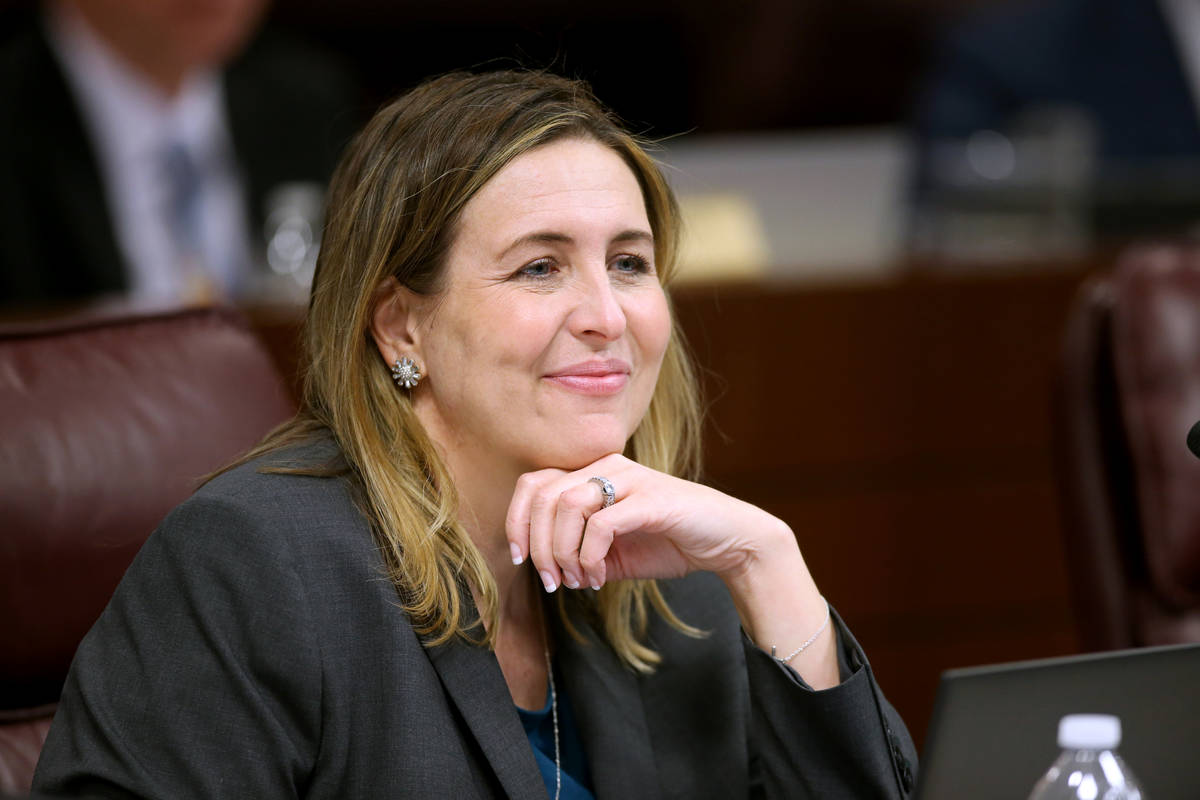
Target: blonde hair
393 206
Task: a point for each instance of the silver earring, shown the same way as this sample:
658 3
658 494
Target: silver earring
405 373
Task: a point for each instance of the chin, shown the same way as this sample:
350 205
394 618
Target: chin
578 452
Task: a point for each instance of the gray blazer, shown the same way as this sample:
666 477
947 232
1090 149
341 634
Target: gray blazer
255 649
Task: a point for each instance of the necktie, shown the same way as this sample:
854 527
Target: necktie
185 182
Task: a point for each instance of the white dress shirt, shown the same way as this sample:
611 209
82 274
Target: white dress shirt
132 124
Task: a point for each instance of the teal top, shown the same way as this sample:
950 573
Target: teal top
539 727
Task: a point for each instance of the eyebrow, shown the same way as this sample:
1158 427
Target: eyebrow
555 237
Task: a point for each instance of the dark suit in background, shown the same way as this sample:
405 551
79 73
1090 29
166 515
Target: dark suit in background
256 649
290 112
1114 59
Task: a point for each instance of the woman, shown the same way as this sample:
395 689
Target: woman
496 411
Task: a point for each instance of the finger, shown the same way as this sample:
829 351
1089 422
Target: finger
616 534
543 507
616 469
575 504
602 529
516 522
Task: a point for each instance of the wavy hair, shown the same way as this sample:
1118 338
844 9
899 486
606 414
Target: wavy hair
393 208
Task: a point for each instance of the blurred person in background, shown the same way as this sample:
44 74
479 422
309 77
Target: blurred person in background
1093 101
143 143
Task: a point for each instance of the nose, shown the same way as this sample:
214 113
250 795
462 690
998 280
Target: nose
598 314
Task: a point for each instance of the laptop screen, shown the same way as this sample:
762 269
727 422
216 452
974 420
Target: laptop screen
994 729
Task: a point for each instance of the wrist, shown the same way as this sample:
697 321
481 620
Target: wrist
786 658
781 609
773 581
774 551
775 564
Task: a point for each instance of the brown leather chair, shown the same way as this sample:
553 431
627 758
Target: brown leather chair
105 425
1129 391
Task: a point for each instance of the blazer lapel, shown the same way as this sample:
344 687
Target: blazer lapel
607 700
474 682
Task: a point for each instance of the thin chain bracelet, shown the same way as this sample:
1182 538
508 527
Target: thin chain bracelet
810 640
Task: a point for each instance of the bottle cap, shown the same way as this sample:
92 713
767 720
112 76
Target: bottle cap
1089 732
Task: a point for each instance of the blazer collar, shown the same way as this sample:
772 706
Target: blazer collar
605 695
474 682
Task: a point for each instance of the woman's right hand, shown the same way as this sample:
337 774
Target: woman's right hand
659 526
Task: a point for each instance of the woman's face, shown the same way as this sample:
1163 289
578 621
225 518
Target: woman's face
544 347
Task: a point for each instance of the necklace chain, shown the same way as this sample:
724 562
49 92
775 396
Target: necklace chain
554 715
553 708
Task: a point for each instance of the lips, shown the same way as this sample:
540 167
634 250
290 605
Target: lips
598 377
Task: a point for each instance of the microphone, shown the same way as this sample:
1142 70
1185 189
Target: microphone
1193 440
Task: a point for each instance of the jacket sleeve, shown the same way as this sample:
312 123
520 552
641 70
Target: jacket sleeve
845 742
200 679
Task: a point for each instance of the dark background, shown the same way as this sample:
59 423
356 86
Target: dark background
666 66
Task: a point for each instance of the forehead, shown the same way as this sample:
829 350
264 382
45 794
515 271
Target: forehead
569 184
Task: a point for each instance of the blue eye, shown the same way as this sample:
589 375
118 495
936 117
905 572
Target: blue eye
631 264
538 269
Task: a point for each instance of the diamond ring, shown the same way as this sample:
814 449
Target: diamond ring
606 488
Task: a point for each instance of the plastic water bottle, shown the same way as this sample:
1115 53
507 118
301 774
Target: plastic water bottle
1089 767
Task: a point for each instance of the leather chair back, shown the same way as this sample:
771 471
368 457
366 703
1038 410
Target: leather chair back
1129 391
105 425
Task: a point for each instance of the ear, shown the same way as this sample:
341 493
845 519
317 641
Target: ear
394 322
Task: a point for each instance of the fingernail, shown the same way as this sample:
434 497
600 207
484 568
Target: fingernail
516 553
570 580
595 587
548 581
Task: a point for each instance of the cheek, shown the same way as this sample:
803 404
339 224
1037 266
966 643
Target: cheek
487 340
651 324
514 336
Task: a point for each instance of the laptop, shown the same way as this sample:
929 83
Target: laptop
994 729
